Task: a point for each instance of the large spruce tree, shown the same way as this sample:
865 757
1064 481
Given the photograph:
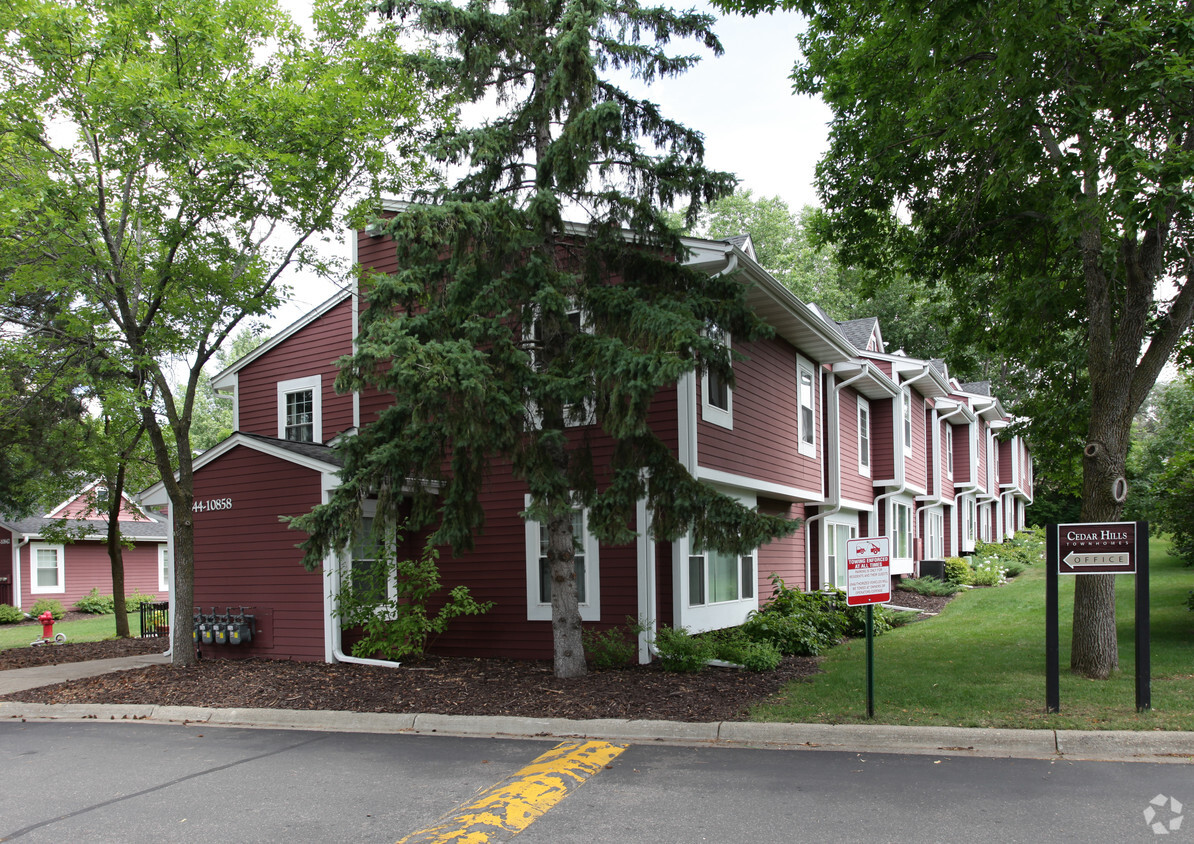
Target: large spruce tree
509 333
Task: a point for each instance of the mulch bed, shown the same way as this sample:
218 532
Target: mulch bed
438 685
450 686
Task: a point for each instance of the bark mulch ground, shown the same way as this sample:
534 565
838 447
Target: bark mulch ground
451 686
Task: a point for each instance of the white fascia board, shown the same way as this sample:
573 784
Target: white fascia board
780 491
860 506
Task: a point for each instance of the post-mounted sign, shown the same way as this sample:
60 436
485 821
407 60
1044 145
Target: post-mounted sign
1098 548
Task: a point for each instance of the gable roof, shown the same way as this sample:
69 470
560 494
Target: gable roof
314 456
151 529
860 332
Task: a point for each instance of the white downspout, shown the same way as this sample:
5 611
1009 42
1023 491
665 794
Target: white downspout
16 569
834 470
333 636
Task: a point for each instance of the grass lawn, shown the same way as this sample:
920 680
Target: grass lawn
94 629
981 663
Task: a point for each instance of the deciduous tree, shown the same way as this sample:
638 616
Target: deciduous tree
166 162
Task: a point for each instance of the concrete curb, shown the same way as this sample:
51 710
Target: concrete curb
1165 747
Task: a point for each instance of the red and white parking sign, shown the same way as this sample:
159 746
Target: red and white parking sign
868 571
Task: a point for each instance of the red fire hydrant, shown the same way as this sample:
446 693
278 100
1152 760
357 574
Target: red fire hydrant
47 624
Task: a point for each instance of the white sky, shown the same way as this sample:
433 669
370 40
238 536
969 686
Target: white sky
754 126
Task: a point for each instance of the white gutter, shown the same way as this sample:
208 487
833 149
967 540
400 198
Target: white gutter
833 429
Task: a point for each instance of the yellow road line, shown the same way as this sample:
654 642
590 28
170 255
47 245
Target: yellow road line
522 798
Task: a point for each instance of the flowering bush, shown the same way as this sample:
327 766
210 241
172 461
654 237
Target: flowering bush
988 572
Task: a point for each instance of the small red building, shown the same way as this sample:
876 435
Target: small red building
40 564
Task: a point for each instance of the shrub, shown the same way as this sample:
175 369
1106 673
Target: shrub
899 618
957 570
929 586
399 626
791 635
608 648
680 651
751 654
95 603
134 601
10 614
988 572
1013 569
55 608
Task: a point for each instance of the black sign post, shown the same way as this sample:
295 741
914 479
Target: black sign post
1097 548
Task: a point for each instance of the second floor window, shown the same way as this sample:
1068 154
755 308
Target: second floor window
299 412
949 449
864 437
716 396
300 416
806 393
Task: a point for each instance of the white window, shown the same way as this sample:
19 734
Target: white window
901 530
585 558
968 528
48 564
806 386
300 409
949 450
583 413
864 437
163 568
935 525
715 577
838 537
363 576
907 397
717 399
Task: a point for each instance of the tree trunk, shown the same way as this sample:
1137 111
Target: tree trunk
182 624
116 556
567 644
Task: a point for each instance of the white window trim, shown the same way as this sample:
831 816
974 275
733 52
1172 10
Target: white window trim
314 383
864 407
34 588
369 511
709 616
572 418
808 449
831 526
906 421
164 569
894 527
590 610
949 451
935 541
711 413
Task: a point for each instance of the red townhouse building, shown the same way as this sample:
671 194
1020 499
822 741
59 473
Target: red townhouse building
805 404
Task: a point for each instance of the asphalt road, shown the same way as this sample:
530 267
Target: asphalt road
123 782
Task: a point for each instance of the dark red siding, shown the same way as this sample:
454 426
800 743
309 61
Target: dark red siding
855 486
245 556
764 442
313 350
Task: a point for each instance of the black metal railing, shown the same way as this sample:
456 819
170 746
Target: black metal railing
155 619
